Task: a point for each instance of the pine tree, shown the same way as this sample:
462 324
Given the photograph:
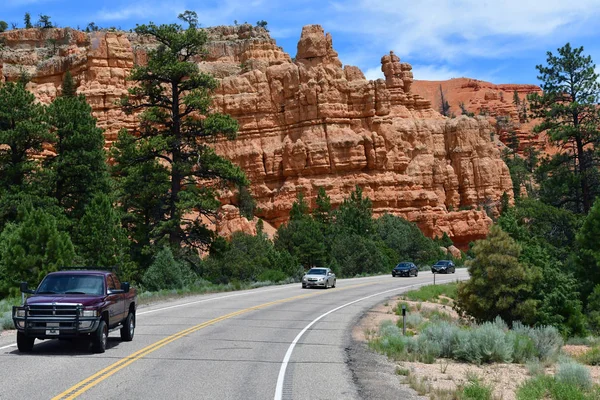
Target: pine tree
322 213
499 284
569 113
173 94
79 167
299 207
22 132
30 248
355 214
27 20
100 238
516 99
69 89
444 105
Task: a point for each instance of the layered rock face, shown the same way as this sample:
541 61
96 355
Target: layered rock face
304 124
492 101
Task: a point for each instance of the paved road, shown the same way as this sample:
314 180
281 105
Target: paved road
278 342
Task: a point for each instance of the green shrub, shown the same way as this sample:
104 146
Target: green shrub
6 321
465 348
413 320
493 344
432 292
571 373
475 390
523 348
272 275
590 357
441 337
535 368
166 273
545 387
548 342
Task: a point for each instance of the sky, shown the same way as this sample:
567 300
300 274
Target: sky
499 41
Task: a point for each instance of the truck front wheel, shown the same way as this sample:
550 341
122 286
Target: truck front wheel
100 338
24 343
128 328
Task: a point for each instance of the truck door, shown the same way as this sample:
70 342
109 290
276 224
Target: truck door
123 303
115 303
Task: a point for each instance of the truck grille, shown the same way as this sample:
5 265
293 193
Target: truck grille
50 310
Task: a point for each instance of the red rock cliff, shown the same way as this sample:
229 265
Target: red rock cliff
305 124
493 101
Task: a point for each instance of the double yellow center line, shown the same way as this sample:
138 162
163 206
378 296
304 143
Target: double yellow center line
98 377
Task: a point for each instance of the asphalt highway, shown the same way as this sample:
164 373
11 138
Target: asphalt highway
277 342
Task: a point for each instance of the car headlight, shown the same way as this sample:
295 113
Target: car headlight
20 313
89 313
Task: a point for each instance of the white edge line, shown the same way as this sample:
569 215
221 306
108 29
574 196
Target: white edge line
288 354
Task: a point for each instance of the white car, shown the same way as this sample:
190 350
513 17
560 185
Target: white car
318 277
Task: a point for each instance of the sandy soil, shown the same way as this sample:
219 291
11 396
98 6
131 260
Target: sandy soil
449 375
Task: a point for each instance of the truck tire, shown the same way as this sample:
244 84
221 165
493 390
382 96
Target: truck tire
128 328
24 343
99 338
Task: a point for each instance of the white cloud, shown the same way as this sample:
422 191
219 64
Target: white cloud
446 30
435 73
141 11
373 73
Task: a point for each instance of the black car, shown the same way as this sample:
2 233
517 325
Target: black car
405 269
443 267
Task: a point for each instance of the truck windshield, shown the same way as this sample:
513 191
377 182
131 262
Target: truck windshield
72 284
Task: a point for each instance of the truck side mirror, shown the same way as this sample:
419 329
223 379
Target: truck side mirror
25 288
125 287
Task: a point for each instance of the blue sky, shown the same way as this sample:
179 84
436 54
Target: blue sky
494 40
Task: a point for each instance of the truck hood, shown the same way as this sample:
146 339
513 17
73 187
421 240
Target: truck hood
86 300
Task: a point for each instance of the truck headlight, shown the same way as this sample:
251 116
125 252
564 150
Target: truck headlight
20 313
90 313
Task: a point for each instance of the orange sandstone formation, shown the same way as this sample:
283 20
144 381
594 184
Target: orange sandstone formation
304 123
492 101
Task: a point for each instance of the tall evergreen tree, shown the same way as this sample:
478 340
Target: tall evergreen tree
176 127
516 99
79 168
69 89
27 20
499 284
300 208
100 238
355 214
22 132
569 113
30 248
322 213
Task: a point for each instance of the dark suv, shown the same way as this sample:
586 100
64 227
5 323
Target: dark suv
443 267
76 304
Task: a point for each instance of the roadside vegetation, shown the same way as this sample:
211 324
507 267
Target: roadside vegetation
436 335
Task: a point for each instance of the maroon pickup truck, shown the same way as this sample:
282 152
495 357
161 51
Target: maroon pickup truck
76 304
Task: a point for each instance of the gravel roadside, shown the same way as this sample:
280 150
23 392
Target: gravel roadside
374 375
